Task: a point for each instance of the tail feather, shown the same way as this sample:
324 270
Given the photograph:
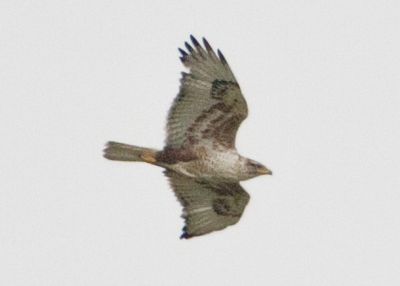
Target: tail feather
124 152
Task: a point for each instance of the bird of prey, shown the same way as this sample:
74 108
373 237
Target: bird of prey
200 158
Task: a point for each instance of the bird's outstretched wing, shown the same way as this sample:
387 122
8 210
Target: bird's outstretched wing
207 206
210 106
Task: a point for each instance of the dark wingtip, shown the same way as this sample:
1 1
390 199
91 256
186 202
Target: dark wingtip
189 47
207 45
194 41
222 58
183 53
185 234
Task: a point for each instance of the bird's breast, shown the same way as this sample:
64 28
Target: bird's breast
223 165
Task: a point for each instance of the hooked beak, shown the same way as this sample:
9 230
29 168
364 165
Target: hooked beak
264 171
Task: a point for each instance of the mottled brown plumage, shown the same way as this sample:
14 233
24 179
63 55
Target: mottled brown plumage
200 157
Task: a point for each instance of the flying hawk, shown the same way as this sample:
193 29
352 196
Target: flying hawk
200 158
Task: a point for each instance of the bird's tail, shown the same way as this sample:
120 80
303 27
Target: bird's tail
124 152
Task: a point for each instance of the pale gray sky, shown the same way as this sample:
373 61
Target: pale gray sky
322 80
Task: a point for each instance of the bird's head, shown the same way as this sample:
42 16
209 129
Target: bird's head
255 169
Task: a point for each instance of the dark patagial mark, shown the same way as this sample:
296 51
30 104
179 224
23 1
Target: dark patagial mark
221 206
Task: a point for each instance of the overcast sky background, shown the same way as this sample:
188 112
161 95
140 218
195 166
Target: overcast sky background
322 81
